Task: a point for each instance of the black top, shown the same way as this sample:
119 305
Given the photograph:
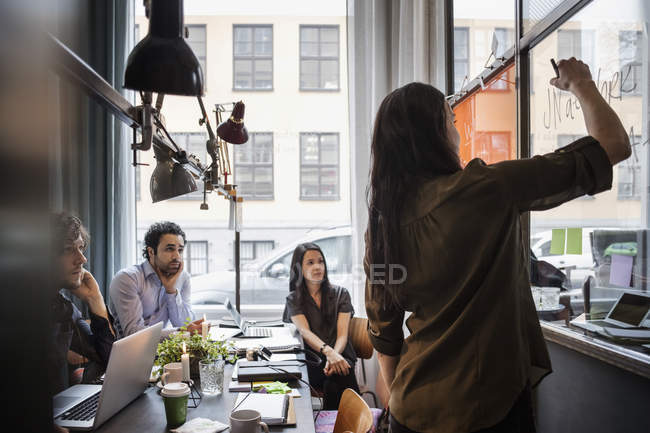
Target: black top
322 321
71 332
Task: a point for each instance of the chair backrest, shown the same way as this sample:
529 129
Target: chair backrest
358 335
353 415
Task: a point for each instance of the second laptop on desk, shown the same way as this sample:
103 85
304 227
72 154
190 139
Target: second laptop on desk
246 329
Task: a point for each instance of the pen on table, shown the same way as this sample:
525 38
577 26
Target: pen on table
557 71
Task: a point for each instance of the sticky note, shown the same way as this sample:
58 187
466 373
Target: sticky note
620 273
574 241
557 241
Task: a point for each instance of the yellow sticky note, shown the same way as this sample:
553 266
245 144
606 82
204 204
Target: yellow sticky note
574 241
558 237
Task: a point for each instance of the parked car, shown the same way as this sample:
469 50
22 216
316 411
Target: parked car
576 266
266 280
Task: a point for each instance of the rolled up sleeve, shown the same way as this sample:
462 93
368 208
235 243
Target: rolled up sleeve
547 181
179 307
384 325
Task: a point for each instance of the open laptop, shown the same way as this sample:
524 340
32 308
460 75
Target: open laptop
630 311
245 327
86 407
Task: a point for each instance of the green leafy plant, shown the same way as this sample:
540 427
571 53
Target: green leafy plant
171 349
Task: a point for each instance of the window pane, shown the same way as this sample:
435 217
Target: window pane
329 74
263 41
596 35
243 74
536 10
329 182
263 148
329 34
243 41
243 153
308 34
309 148
329 149
329 49
309 182
309 49
263 74
309 74
263 182
244 178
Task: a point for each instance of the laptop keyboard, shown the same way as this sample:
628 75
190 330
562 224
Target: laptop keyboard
259 332
84 411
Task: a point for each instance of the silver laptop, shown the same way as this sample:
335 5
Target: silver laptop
631 310
245 327
86 407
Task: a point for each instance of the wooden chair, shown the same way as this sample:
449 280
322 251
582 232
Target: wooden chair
358 336
353 415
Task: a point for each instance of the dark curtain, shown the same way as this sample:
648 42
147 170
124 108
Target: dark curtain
90 155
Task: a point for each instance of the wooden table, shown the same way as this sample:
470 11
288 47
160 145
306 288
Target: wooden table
147 413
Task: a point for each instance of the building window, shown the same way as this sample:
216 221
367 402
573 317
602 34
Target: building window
254 166
319 57
578 44
252 57
195 256
461 56
196 39
194 144
630 43
319 166
253 250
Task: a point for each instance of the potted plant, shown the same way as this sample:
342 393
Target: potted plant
171 349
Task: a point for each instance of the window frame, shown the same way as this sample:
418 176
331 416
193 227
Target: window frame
252 58
319 166
463 29
319 58
253 165
255 243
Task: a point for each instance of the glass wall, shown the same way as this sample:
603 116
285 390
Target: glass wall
605 236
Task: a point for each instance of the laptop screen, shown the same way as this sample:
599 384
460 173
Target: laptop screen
235 314
631 309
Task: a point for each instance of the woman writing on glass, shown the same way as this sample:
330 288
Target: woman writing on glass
475 347
322 314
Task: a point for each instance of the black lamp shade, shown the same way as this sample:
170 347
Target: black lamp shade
233 130
163 62
169 178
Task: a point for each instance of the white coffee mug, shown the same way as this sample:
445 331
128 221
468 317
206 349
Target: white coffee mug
172 372
247 421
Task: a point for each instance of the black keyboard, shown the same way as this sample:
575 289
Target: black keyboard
84 411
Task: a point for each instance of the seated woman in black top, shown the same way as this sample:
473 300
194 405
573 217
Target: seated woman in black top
322 314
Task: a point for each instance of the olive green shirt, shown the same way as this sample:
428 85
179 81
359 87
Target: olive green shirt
475 340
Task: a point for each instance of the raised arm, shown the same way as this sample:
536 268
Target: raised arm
601 121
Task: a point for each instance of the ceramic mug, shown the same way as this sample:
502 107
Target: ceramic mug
247 421
172 372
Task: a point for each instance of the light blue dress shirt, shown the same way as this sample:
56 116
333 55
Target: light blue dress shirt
138 299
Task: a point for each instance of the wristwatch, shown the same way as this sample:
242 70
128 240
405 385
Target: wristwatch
322 347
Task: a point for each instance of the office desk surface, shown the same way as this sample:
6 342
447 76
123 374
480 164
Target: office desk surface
147 412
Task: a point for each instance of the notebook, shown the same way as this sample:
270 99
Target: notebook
274 408
86 407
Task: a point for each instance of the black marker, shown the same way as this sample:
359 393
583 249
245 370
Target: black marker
557 71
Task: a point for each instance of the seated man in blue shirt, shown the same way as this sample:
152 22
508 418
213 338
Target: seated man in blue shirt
72 336
156 290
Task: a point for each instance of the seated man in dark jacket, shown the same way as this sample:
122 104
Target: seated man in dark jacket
70 332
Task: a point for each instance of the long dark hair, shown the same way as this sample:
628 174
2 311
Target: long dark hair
410 144
297 279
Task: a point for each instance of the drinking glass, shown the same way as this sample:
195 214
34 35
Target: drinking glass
211 374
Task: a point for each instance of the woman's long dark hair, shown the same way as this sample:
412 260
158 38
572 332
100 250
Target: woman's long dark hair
297 279
410 144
